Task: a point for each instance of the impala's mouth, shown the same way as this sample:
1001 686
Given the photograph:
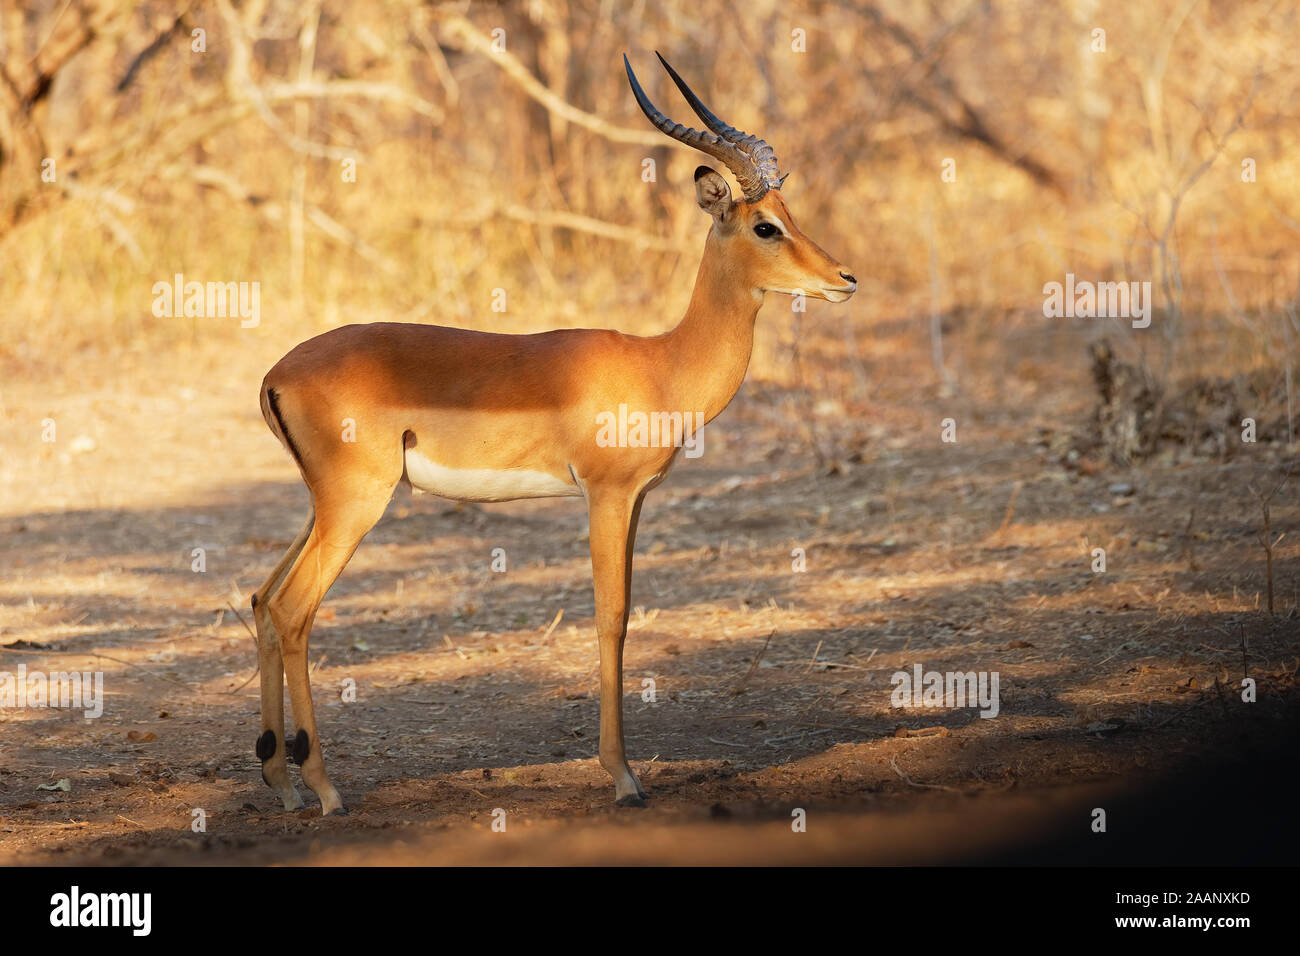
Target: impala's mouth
829 293
841 294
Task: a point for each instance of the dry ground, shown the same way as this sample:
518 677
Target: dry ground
771 687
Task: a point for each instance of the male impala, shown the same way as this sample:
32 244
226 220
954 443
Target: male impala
479 416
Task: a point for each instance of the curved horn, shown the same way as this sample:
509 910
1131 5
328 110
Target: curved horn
750 159
759 153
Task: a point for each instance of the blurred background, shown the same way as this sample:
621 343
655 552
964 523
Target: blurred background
957 155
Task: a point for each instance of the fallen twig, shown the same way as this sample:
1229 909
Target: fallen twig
773 741
258 668
816 651
115 660
554 623
753 666
920 786
921 732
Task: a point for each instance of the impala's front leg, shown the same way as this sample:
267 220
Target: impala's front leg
614 516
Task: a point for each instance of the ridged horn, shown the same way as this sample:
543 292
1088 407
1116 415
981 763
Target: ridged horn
749 158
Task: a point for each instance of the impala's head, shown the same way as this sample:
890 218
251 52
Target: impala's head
756 233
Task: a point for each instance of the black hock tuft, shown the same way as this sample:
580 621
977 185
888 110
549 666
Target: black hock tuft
266 746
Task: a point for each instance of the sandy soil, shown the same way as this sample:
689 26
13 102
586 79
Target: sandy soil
771 687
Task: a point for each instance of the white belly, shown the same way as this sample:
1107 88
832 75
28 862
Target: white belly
484 484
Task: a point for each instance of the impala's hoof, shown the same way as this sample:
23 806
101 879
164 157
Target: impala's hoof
286 791
630 800
330 801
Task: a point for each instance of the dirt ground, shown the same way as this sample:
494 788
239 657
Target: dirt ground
476 691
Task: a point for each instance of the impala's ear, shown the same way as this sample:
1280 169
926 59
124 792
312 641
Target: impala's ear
712 193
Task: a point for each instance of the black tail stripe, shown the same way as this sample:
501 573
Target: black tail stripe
273 400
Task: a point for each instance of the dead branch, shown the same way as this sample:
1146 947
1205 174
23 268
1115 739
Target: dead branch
962 118
461 29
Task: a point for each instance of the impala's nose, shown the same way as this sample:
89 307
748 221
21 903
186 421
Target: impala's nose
843 293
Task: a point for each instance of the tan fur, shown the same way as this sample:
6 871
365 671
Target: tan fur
479 400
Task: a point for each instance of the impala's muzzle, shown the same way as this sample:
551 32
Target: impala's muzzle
842 293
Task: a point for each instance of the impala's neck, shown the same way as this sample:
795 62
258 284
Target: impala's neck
709 349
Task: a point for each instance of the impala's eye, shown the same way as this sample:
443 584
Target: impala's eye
765 230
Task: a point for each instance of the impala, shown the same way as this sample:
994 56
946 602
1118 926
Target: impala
479 416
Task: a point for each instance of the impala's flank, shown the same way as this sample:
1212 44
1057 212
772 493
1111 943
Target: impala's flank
478 416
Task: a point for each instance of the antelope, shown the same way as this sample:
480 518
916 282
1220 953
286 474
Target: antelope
482 416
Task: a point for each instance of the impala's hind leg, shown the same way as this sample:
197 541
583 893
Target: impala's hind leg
270 745
342 520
